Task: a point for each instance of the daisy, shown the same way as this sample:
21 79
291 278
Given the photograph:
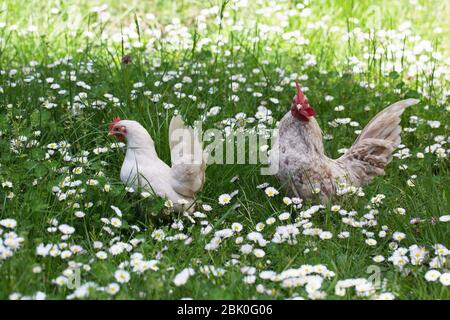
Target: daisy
445 279
66 229
398 236
260 226
284 216
335 208
344 235
270 220
246 248
400 211
271 192
8 223
37 269
236 227
259 253
224 199
378 259
432 275
325 235
79 214
250 279
122 276
97 245
92 182
206 207
158 235
182 277
77 170
102 255
385 296
115 222
112 288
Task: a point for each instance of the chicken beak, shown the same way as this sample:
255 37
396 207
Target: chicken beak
110 133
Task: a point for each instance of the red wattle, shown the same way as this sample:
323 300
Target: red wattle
298 115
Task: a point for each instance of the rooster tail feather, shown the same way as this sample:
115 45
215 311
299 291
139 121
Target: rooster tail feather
373 148
385 125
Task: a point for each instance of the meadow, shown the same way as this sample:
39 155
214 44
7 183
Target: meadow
69 229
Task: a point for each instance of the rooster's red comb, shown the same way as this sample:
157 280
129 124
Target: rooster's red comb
300 98
300 108
113 122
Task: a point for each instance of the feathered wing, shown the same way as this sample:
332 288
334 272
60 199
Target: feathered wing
188 163
373 148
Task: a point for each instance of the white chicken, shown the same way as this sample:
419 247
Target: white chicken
299 161
143 169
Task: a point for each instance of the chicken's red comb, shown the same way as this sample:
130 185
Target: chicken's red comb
113 122
300 97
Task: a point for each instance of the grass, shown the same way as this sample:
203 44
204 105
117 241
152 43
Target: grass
247 43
